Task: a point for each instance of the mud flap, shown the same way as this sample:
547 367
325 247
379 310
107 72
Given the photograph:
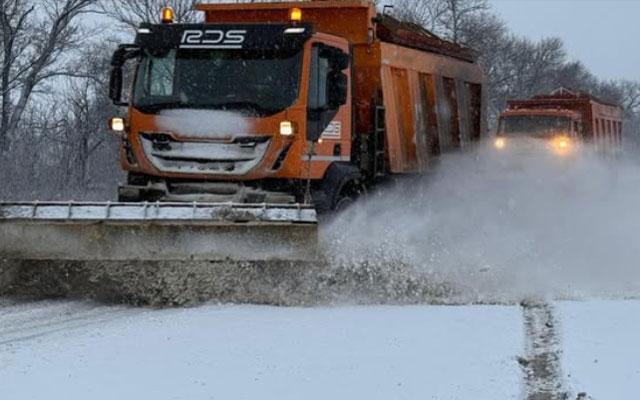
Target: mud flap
156 232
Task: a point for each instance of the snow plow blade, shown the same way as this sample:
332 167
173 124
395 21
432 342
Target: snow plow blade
157 231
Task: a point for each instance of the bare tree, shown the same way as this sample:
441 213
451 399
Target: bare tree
454 20
87 110
426 13
63 149
34 37
574 74
133 12
458 15
14 23
629 95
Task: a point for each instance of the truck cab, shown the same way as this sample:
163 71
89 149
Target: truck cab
230 103
565 119
559 128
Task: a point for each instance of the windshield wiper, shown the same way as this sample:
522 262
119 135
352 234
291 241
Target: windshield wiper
244 106
247 107
165 105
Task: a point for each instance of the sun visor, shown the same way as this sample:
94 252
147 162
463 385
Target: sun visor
224 36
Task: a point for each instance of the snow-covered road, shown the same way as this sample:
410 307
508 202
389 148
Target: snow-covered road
78 350
601 347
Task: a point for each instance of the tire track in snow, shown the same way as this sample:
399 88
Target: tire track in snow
20 322
541 365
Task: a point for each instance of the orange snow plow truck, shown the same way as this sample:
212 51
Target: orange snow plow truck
565 120
241 129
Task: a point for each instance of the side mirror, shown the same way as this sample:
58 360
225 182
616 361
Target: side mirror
115 86
337 89
338 59
341 60
120 56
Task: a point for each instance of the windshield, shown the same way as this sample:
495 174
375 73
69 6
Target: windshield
257 83
534 125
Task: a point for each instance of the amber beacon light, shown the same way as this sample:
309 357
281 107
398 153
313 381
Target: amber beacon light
167 15
295 15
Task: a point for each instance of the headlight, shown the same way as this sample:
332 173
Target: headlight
117 124
561 144
500 143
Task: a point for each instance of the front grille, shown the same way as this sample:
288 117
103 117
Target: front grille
232 158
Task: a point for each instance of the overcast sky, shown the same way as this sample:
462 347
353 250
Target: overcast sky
603 34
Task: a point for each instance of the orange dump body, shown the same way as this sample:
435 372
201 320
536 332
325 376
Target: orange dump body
410 97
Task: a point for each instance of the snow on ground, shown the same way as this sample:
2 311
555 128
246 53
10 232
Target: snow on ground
72 350
601 347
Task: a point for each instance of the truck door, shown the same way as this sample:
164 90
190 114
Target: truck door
328 114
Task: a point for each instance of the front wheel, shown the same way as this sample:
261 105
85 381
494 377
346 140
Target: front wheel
340 188
342 204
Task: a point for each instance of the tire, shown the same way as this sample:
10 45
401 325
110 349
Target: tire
342 205
128 195
340 188
136 179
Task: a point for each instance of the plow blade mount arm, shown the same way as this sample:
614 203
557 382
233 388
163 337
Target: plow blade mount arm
157 231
